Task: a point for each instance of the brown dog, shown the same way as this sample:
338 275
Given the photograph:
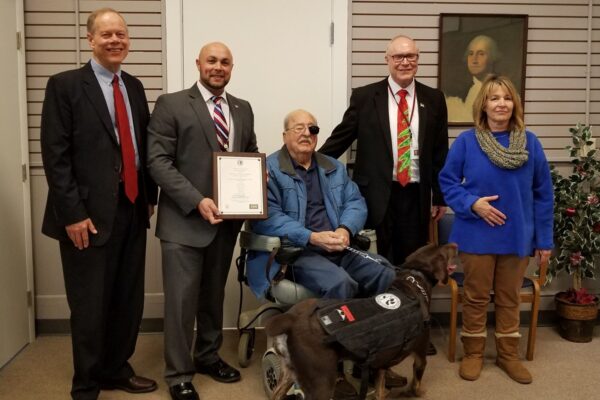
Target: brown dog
311 359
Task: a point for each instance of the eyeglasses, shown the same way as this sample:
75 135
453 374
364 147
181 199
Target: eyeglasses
298 129
398 58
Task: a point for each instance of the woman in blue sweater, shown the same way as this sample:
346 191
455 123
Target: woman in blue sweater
497 181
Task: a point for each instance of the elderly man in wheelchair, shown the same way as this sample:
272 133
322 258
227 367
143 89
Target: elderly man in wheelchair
317 210
313 203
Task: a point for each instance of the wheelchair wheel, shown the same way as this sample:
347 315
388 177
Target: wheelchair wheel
271 368
246 346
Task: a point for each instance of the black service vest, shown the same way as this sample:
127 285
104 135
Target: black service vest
367 326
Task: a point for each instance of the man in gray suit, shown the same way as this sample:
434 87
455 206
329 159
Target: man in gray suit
197 245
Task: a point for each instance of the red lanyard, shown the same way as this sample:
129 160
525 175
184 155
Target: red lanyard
412 109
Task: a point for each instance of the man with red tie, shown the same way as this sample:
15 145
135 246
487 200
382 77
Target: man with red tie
401 130
100 199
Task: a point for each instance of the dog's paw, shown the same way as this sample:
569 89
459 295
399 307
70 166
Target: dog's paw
412 392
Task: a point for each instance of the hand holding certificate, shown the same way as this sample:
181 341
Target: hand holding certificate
240 189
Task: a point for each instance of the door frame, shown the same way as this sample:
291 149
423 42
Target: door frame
22 83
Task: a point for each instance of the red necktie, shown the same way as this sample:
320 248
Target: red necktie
403 169
128 171
220 124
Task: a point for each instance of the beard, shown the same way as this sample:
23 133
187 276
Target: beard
214 85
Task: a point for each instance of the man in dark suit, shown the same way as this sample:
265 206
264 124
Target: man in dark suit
185 130
399 211
100 199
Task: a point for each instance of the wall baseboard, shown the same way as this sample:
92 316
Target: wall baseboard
155 325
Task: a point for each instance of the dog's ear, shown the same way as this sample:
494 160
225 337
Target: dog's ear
440 267
420 252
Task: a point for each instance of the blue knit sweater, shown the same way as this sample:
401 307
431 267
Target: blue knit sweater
526 197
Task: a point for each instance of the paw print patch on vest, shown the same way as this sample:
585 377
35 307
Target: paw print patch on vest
389 301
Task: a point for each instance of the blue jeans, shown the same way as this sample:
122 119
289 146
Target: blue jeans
342 275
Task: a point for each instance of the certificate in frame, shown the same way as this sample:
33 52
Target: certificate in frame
240 185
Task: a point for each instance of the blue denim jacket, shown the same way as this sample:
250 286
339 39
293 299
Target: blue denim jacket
287 201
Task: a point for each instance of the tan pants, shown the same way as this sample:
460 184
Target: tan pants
502 273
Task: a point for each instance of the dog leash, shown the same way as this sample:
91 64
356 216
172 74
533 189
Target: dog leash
367 256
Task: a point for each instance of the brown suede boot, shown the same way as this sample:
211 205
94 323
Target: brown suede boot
472 362
507 346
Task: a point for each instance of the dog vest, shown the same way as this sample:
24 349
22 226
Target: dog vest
367 326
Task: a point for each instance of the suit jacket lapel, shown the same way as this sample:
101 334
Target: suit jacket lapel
381 106
93 91
234 109
423 101
206 122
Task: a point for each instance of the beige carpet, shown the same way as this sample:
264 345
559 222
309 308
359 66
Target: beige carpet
561 370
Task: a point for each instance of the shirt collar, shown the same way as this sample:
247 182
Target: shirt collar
395 87
102 73
207 94
298 166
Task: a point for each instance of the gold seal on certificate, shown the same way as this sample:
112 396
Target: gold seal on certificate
240 185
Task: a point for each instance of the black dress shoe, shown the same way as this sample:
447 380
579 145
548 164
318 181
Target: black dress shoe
220 371
133 384
184 391
431 351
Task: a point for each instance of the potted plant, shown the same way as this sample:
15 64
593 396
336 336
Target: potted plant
577 235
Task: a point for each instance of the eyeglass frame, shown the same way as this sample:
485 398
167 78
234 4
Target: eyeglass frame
398 58
311 128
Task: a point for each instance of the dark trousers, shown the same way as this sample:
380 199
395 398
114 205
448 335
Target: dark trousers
194 281
400 232
105 292
342 275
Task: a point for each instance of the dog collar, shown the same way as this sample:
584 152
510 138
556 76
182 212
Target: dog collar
415 282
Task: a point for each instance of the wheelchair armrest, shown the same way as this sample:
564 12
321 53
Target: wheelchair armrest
288 252
361 242
253 241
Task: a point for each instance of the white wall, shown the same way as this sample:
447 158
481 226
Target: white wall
283 59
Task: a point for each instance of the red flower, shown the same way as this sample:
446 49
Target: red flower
576 258
580 296
570 212
597 227
593 199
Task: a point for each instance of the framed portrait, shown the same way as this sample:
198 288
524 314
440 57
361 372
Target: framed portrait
473 46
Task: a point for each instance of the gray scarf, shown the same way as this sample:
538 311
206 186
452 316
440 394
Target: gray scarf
508 158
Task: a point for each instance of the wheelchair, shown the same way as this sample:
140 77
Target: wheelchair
281 295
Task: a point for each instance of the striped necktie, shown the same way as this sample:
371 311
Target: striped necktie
220 124
403 169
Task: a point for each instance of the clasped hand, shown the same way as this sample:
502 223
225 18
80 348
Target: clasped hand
331 241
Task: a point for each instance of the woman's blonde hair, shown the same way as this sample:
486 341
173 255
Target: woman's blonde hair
489 84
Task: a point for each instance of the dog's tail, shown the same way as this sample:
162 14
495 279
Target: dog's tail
279 324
